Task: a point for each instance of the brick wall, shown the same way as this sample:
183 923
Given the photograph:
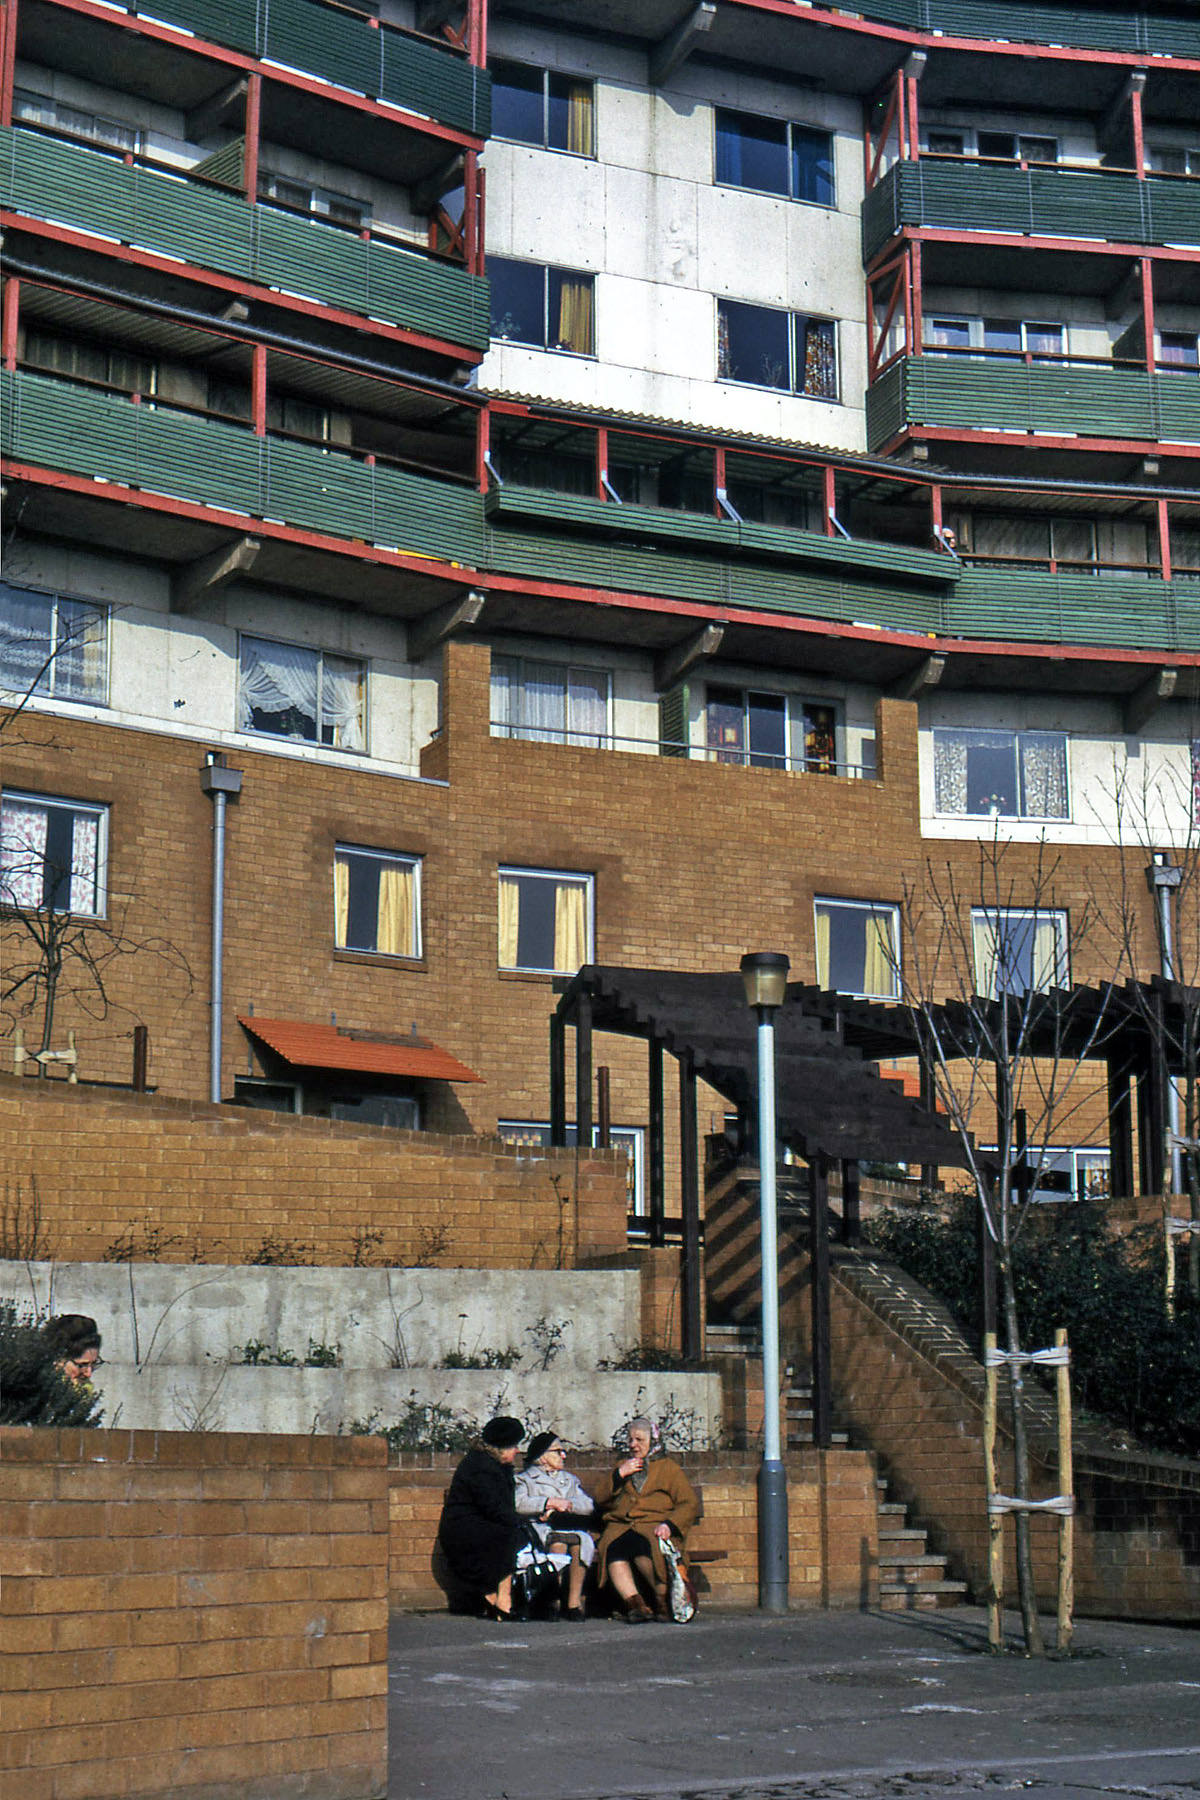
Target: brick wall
193 1615
214 1181
832 1524
906 1380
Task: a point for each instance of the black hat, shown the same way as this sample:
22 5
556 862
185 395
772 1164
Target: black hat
538 1446
503 1433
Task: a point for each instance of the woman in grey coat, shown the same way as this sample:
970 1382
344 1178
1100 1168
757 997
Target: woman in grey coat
547 1495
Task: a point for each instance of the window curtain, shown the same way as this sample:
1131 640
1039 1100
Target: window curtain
1047 960
724 354
543 702
570 926
85 844
1008 539
949 772
394 934
25 622
575 315
879 962
1044 777
22 854
985 942
275 677
819 362
503 694
341 900
579 118
510 918
587 708
342 702
79 672
822 934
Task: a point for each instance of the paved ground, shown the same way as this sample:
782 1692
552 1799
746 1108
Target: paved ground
813 1706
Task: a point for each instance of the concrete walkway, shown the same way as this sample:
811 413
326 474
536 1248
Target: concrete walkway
813 1706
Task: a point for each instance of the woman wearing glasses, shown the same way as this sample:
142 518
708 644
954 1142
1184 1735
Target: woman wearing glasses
555 1502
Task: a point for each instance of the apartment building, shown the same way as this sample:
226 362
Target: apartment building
622 483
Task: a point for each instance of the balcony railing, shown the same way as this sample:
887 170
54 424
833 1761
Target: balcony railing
971 390
672 748
208 227
1025 21
336 46
65 425
959 193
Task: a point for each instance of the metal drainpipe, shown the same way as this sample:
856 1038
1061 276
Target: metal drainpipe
1163 879
220 784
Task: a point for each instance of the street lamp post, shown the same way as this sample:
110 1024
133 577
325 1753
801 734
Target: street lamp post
765 975
1164 878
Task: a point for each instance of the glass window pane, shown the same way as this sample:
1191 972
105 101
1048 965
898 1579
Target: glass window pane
1002 335
518 300
571 320
767 717
1043 760
277 690
726 715
816 358
25 624
949 334
517 103
946 143
753 344
812 165
587 707
569 115
79 670
1000 144
1039 149
751 152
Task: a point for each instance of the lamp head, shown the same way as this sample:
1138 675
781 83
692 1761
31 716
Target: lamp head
765 974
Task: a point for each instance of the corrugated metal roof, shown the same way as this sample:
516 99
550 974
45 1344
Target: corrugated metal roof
311 1046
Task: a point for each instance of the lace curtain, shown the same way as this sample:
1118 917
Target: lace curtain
1044 777
27 879
283 678
22 854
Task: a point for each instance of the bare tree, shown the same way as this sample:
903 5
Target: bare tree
1005 1044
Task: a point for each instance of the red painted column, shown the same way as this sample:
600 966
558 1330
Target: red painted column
483 428
472 247
902 113
601 462
829 495
1164 539
253 132
258 389
935 512
1139 140
914 132
718 477
8 58
1147 268
918 308
8 322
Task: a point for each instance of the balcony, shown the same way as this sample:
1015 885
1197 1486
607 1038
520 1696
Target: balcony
1085 27
164 450
208 227
338 47
964 194
970 391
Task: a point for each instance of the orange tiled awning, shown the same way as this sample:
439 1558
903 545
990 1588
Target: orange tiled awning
356 1052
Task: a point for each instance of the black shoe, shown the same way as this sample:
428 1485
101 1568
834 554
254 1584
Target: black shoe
575 1613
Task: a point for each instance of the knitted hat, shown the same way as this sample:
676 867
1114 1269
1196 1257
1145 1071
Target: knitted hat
538 1446
503 1433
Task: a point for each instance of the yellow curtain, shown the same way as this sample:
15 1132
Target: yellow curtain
394 929
984 940
822 917
575 315
341 899
1046 970
579 118
879 967
510 909
570 927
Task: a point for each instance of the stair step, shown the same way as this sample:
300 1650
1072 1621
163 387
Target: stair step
930 1597
892 1509
900 1534
902 1561
839 1440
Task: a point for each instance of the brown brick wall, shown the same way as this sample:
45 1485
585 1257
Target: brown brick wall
832 1525
215 1181
193 1615
1137 1527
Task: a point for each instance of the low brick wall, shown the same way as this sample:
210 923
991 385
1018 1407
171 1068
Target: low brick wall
832 1526
193 1615
185 1181
908 1382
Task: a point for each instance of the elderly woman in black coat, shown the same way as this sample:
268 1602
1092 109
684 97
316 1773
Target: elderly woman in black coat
479 1530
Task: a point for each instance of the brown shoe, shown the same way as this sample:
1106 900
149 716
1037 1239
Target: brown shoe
637 1612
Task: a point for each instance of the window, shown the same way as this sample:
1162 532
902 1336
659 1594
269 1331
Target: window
1001 774
1018 952
770 731
83 360
322 203
946 143
1179 350
548 308
52 855
997 337
376 901
1009 146
772 156
766 347
546 920
858 947
69 121
50 644
550 703
535 1134
541 107
1004 538
1168 159
294 693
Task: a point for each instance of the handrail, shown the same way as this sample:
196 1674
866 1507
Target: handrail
671 749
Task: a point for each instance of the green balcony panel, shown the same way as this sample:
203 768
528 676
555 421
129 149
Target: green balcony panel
59 425
1085 27
1041 202
335 46
973 393
170 216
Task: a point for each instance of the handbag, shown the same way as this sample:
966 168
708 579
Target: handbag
681 1589
535 1578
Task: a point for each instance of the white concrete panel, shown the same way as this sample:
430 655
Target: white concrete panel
557 213
743 245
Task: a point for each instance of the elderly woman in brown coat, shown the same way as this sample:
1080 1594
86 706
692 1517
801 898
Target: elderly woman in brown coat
650 1499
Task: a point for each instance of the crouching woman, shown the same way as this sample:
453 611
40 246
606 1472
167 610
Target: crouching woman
479 1527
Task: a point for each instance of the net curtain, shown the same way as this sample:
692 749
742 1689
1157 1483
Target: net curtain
277 677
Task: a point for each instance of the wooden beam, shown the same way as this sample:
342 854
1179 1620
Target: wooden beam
927 674
1117 122
818 1263
219 109
428 191
425 634
1145 699
672 665
691 1291
201 579
433 14
671 52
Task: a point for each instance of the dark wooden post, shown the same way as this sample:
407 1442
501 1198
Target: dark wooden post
583 1071
558 1079
929 1171
603 1109
1152 1119
691 1297
658 1208
141 1057
818 1255
851 1215
1120 1128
